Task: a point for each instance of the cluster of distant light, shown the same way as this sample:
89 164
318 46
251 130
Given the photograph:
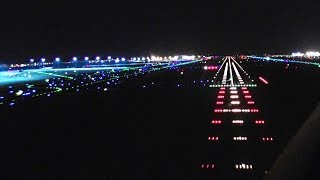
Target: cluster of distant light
307 54
173 58
44 61
284 60
81 81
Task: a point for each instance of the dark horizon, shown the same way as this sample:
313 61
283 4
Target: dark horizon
48 29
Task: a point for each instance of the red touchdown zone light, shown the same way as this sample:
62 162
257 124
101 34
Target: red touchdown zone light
245 92
259 122
264 139
250 102
207 166
216 122
219 102
213 138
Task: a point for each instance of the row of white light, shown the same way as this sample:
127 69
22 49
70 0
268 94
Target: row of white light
241 69
233 92
243 166
224 61
240 138
237 73
230 70
234 96
237 121
224 78
152 58
235 102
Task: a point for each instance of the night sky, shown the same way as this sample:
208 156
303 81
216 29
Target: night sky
32 29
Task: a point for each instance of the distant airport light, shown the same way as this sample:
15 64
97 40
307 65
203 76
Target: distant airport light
43 60
117 60
222 92
263 80
313 54
123 59
235 102
109 57
247 96
219 102
188 57
31 60
57 59
86 58
245 92
74 58
175 58
97 58
297 54
220 97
